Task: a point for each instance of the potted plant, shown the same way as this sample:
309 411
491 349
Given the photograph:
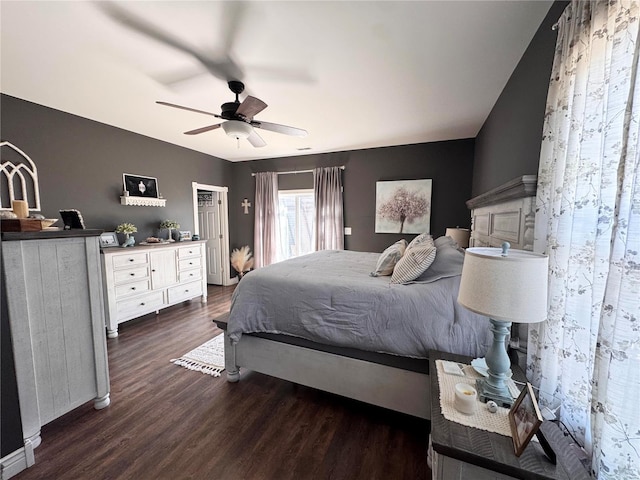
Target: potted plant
128 229
169 225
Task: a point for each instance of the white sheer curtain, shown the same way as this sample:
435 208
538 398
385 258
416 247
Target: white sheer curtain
265 244
586 356
327 186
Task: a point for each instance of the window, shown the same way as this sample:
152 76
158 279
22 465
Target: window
297 212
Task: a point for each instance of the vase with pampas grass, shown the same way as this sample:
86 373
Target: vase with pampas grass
241 260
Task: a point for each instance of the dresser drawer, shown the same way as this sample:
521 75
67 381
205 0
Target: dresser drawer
188 263
132 288
130 274
185 292
186 252
139 305
131 259
189 275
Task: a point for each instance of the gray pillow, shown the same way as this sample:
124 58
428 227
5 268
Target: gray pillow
448 262
444 240
388 259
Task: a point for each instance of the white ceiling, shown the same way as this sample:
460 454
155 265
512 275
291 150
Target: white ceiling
354 74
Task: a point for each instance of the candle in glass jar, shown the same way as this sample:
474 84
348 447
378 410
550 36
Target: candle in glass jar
466 399
20 208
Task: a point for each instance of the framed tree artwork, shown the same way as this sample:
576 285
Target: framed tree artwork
403 206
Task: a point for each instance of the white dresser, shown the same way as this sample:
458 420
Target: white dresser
56 315
143 279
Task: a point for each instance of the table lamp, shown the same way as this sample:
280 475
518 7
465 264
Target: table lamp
506 286
460 235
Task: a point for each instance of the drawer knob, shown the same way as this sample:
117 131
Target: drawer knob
133 288
131 259
142 304
132 274
190 251
186 291
190 263
153 269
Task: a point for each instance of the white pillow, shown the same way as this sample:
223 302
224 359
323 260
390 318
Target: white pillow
422 238
414 263
389 258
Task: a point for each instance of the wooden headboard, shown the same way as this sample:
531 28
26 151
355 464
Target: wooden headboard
506 213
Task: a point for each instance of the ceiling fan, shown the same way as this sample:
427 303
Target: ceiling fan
239 118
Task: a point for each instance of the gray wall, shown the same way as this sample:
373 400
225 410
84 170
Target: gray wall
448 164
80 165
508 144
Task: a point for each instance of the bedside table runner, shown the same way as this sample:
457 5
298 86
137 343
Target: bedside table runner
483 419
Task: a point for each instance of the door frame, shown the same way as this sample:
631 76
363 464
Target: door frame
224 225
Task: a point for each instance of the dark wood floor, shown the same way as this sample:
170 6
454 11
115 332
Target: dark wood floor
167 422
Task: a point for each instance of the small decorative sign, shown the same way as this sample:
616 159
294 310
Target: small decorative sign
109 239
137 186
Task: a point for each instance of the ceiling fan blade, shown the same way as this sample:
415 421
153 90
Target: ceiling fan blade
166 104
276 127
255 139
250 107
203 129
233 13
140 25
224 68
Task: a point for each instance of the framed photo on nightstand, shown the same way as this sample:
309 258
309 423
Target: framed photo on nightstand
525 419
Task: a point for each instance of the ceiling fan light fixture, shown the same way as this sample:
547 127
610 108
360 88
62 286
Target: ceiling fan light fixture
237 129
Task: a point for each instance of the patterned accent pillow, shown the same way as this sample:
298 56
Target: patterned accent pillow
389 258
423 237
414 263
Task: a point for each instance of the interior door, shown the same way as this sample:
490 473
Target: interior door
209 218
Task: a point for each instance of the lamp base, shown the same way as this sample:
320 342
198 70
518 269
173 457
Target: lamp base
488 392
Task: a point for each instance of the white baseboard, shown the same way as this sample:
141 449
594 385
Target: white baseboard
17 461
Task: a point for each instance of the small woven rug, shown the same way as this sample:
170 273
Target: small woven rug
207 358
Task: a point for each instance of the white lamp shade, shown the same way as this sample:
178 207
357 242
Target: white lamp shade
237 129
460 235
511 288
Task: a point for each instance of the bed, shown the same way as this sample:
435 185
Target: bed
340 330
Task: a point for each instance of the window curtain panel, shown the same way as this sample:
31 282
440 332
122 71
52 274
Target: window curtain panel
585 358
327 186
265 241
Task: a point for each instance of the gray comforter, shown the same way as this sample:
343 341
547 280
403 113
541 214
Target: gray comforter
330 298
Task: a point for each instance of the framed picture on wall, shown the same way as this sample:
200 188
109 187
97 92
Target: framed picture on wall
138 186
403 206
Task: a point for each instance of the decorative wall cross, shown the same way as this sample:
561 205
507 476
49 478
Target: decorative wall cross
246 204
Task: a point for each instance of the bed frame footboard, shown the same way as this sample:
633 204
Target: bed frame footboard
400 390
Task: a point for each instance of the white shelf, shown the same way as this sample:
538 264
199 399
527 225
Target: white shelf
143 201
